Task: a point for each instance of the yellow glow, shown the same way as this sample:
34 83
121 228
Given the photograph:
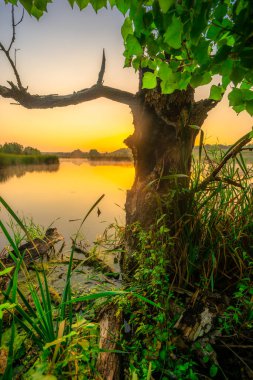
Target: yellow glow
69 192
101 124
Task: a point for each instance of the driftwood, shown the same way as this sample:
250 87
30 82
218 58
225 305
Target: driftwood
34 249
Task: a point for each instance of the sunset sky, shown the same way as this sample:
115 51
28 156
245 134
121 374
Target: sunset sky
62 53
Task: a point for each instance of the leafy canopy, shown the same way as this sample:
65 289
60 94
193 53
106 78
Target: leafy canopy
184 42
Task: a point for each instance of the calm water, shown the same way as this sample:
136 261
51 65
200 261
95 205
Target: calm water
58 194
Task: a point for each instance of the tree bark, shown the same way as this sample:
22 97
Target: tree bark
162 145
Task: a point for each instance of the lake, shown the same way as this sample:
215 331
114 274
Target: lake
60 193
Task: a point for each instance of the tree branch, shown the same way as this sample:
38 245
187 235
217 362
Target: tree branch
102 70
27 100
6 51
50 101
200 110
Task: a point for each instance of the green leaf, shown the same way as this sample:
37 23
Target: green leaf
132 46
247 94
71 2
165 5
98 4
123 5
200 79
216 92
168 87
173 34
213 32
237 74
127 28
41 5
213 370
220 11
27 4
6 271
201 51
165 72
82 3
235 97
249 107
149 80
37 13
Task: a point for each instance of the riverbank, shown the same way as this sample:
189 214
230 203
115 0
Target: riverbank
23 159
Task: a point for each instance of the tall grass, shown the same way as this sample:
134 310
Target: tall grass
61 337
50 327
216 231
19 159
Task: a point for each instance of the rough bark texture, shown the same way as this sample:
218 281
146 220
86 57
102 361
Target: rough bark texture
109 363
162 145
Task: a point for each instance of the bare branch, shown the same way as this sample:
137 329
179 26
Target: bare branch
7 54
50 101
6 51
14 26
21 18
102 70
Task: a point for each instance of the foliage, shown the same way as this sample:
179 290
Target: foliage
63 343
209 252
15 148
31 151
12 148
182 43
23 159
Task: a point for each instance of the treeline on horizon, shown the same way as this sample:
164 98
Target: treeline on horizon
123 154
15 154
16 148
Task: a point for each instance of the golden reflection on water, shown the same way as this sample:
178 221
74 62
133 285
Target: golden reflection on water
68 193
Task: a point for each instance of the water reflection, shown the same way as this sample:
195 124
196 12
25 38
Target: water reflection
20 170
59 194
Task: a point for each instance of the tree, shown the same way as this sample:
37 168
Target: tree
31 151
176 46
12 148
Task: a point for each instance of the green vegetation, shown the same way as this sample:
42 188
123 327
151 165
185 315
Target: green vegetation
16 154
163 301
189 235
15 148
21 159
184 43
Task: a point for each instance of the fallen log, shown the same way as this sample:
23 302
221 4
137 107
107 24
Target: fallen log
34 249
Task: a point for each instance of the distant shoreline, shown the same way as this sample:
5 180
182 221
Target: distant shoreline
26 159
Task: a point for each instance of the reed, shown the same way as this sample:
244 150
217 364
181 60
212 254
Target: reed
19 159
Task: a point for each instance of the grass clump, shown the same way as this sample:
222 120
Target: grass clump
23 159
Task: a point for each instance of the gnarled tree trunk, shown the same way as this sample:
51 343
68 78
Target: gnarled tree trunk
162 145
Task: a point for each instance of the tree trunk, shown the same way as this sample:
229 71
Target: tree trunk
162 144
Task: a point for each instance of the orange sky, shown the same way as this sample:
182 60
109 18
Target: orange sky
62 53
